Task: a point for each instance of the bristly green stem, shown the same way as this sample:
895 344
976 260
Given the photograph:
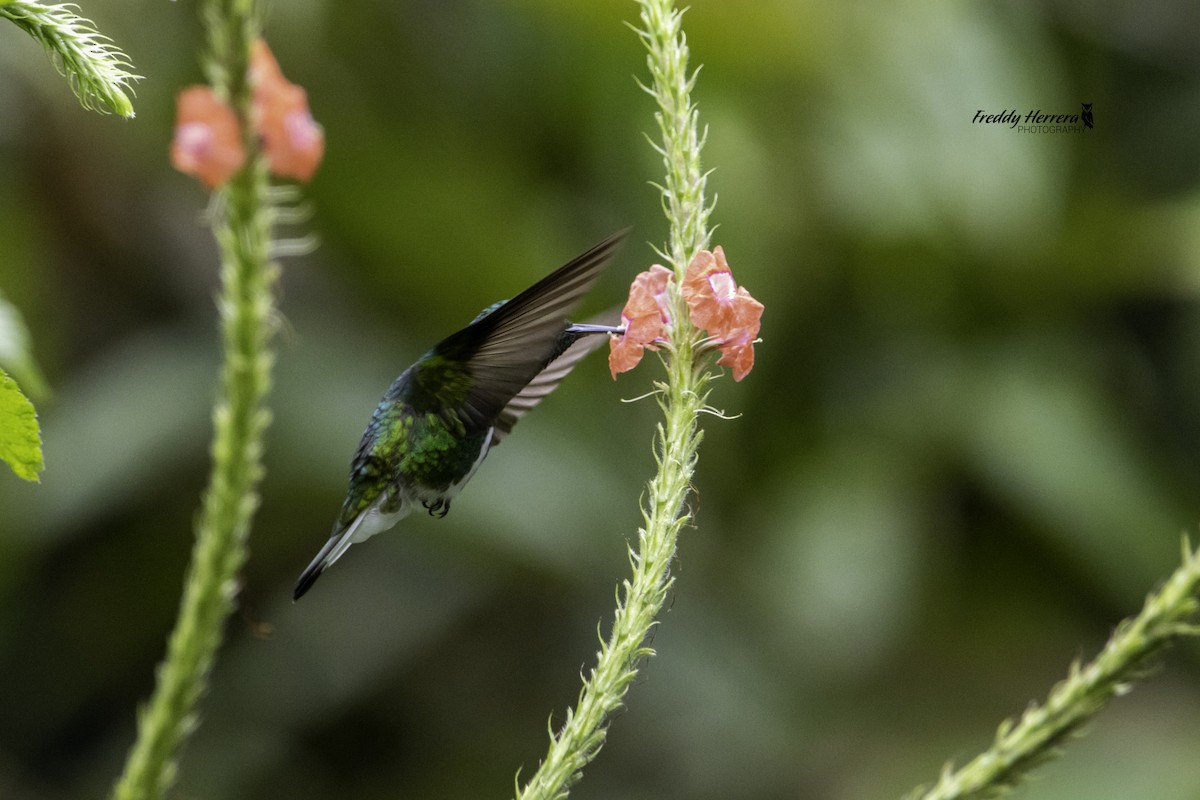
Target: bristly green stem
96 69
1167 615
678 123
681 398
241 221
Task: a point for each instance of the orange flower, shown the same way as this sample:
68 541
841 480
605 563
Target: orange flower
727 311
645 317
738 353
293 142
207 142
264 67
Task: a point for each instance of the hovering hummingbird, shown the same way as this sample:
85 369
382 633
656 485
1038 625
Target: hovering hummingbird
438 420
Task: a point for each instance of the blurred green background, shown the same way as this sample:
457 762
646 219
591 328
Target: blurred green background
968 449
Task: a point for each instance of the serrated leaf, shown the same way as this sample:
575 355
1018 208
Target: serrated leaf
20 441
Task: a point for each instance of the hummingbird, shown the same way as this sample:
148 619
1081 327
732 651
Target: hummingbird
441 416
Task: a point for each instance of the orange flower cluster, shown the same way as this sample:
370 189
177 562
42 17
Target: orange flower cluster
715 303
208 140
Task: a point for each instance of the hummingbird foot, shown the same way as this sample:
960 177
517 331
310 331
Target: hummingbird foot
438 508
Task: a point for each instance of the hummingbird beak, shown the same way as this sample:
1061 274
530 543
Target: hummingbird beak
584 328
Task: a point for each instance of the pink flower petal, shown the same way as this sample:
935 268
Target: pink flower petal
207 143
722 308
645 316
738 354
293 142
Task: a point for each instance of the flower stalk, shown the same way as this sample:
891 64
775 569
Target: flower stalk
241 218
1168 614
681 398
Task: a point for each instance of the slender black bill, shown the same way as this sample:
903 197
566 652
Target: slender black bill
585 327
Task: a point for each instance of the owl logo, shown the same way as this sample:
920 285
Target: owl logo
1087 115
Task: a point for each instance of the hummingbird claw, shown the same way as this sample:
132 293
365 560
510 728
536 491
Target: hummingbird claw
438 508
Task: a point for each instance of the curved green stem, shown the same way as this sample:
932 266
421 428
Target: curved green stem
242 225
681 398
1167 615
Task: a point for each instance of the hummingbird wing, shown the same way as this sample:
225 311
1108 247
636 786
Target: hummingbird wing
552 374
503 351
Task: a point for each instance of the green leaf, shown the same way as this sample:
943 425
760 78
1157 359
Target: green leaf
20 442
16 355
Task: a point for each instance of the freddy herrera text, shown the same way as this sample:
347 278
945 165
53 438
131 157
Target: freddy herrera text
1014 118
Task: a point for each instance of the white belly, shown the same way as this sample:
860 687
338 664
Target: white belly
373 520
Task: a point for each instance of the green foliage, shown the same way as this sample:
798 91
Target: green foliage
16 354
20 440
99 73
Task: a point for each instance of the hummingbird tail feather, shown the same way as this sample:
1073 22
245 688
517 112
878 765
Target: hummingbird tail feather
337 545
368 523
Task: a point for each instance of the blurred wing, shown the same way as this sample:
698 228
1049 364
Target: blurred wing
505 350
549 378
